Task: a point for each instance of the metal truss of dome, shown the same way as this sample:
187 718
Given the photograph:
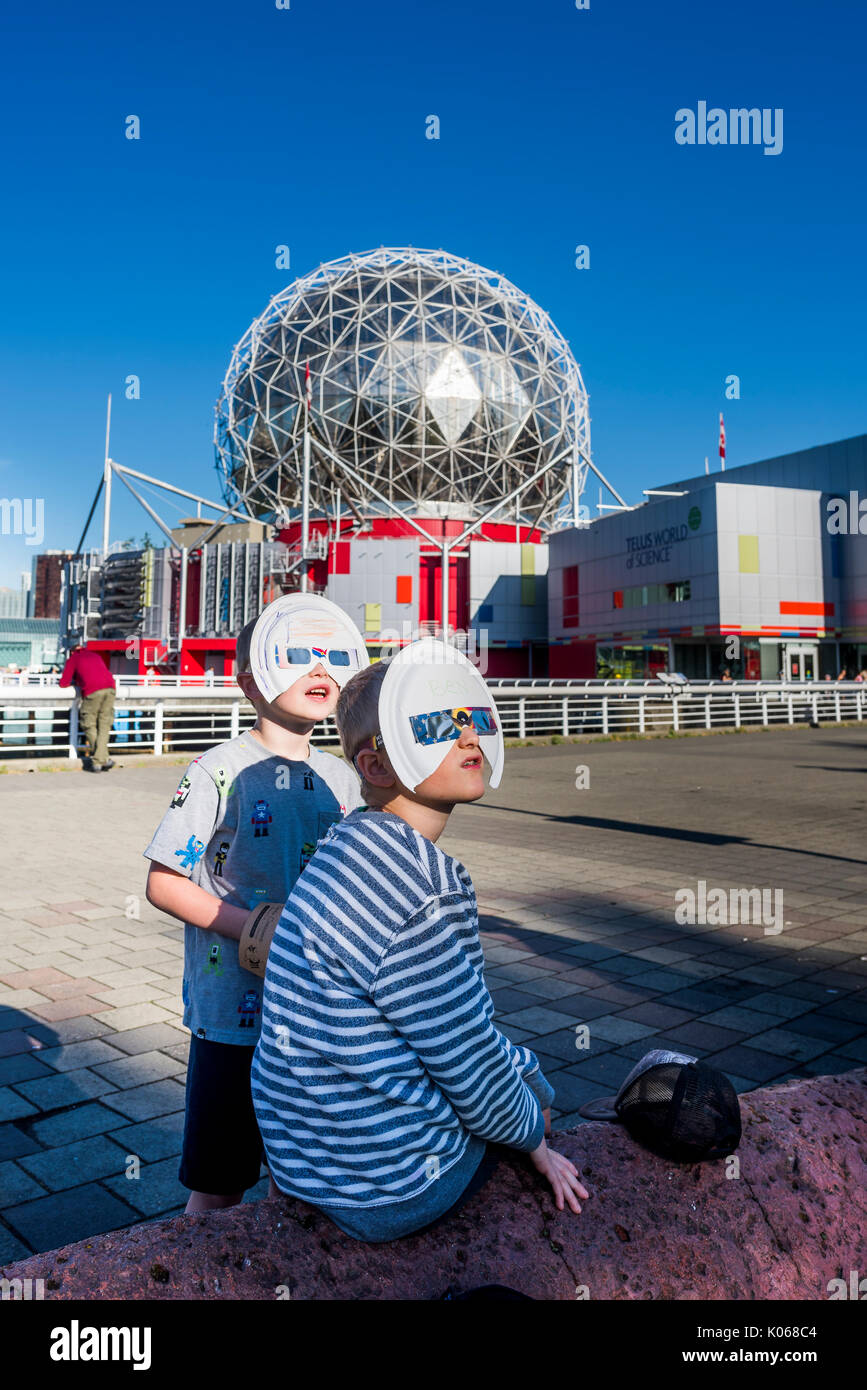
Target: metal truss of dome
438 384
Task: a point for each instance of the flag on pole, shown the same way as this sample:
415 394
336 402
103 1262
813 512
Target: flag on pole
309 388
722 440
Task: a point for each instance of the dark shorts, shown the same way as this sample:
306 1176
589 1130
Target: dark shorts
222 1151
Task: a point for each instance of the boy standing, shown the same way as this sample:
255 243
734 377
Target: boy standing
242 825
380 1076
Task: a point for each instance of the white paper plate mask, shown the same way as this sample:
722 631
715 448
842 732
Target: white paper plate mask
298 632
430 691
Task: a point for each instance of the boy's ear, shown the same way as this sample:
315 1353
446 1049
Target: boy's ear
247 683
374 768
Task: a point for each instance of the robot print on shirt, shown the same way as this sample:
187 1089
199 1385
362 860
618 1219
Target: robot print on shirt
308 849
308 779
190 856
248 1009
261 819
220 858
221 778
214 964
182 792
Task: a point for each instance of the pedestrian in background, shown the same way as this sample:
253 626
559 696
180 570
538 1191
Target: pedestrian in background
94 682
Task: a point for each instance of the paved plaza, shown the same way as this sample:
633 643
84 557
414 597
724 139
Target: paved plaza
576 872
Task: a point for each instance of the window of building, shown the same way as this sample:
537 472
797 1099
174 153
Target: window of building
691 660
630 663
642 595
745 666
570 596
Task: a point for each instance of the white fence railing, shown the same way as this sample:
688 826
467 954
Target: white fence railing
41 720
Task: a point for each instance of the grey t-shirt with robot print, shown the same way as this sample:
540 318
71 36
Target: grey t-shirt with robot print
243 824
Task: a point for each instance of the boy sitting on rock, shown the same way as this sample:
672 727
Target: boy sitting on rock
380 1078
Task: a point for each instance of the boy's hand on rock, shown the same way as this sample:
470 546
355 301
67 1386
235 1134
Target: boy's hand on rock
561 1174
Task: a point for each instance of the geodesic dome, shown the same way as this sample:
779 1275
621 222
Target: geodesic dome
438 381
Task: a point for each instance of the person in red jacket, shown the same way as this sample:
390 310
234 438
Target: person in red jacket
95 683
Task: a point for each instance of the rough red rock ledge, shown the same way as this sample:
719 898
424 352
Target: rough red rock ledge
795 1218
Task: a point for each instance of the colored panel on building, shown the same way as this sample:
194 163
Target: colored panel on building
837 570
570 596
342 553
507 663
430 590
460 593
572 659
372 617
403 588
748 554
822 610
528 575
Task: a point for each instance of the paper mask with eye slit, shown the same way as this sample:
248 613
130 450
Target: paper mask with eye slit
298 632
430 693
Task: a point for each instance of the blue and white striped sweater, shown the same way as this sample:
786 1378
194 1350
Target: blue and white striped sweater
378 1056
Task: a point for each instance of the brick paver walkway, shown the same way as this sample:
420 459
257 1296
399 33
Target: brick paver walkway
577 891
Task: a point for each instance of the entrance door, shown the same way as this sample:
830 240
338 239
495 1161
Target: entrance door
801 661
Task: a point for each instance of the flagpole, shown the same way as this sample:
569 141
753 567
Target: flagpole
305 486
106 476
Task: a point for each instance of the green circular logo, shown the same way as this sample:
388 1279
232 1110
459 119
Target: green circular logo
694 518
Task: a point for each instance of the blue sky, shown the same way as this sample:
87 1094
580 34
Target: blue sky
306 127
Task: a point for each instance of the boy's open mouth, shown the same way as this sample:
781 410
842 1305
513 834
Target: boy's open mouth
317 692
475 760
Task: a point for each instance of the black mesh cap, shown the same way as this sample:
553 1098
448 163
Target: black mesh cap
676 1106
605 1107
685 1111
